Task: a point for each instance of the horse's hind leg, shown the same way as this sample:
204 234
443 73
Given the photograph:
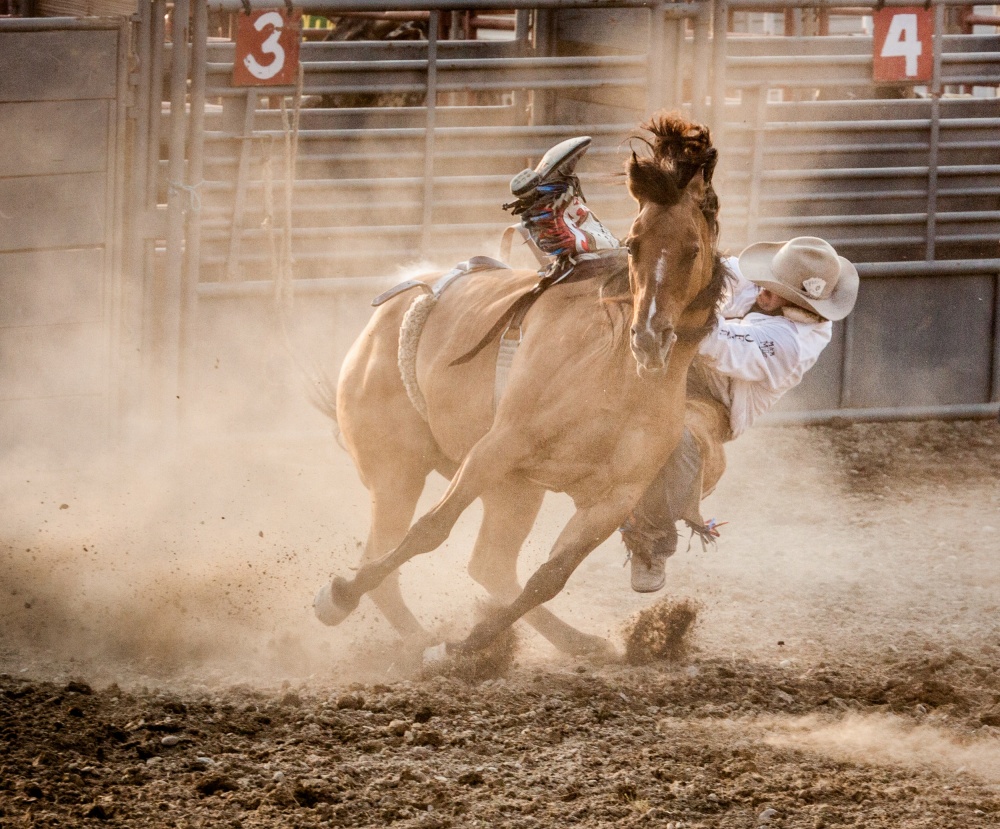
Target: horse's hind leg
487 463
394 494
509 512
393 503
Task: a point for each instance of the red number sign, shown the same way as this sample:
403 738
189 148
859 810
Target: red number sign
904 44
267 48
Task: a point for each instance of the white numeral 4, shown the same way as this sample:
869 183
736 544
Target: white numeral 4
902 41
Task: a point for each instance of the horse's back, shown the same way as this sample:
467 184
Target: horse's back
460 396
374 409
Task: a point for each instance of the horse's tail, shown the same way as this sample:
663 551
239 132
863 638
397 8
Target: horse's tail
322 394
320 389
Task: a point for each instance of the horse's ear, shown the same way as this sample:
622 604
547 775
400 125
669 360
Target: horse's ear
697 184
634 178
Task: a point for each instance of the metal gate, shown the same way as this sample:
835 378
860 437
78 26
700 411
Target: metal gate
906 187
375 186
62 92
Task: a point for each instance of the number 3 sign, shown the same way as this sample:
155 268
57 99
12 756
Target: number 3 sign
267 49
904 44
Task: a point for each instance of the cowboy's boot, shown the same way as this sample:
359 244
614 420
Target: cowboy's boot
648 554
552 207
560 160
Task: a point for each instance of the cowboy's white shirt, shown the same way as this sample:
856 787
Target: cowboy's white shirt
752 359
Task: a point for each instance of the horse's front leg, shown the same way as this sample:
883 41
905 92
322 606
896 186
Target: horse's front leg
489 461
587 529
509 512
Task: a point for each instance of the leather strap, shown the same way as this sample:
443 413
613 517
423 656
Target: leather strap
560 270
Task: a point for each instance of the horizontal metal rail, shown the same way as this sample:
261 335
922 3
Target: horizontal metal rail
300 287
50 24
456 64
957 411
491 132
950 267
877 219
879 125
738 200
503 85
331 6
367 184
219 229
331 286
780 5
872 172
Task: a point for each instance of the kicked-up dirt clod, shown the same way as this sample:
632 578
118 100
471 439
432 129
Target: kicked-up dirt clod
660 632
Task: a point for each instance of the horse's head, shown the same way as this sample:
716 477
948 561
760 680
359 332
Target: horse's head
672 241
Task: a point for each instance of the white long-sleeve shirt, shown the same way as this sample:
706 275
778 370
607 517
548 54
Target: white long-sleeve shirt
751 358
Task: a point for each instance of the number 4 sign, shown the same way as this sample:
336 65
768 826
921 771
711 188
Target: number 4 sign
267 48
904 44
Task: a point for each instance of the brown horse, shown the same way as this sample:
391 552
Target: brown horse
579 415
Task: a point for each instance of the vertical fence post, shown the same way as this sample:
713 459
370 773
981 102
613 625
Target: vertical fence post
845 396
995 370
196 146
243 169
140 144
720 19
429 134
151 359
119 374
656 56
542 106
756 161
136 224
701 62
522 25
679 32
935 136
155 110
177 199
522 34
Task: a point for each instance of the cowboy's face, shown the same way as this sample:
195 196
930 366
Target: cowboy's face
769 302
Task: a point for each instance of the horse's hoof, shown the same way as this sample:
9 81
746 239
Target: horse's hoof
328 610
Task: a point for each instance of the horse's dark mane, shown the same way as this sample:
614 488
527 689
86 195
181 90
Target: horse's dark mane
680 150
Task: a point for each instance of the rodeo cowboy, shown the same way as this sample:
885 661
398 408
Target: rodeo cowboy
775 319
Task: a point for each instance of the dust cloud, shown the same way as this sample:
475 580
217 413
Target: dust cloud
889 741
202 566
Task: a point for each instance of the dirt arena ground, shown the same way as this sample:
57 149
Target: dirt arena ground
160 667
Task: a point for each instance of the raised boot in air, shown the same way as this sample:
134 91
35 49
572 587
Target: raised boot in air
553 210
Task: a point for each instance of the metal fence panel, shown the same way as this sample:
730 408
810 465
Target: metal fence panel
61 141
923 342
809 145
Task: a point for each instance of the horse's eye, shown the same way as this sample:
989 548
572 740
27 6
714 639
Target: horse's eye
632 246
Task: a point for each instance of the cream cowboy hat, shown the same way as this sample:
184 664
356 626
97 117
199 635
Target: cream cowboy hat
805 270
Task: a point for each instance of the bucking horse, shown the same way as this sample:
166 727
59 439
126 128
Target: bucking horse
592 404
